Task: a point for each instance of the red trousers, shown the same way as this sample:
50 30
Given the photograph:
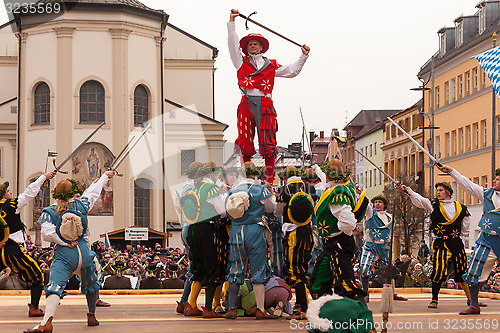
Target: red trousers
266 127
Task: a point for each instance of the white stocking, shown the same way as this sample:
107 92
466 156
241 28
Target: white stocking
259 291
51 304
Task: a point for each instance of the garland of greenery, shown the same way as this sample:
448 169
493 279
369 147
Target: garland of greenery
309 176
226 170
252 171
67 194
4 189
290 173
194 172
334 174
203 171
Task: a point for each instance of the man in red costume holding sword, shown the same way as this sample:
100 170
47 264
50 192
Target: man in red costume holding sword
256 75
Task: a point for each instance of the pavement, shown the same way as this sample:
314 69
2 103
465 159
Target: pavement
140 313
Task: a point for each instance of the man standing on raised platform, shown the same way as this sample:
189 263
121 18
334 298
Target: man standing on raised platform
256 75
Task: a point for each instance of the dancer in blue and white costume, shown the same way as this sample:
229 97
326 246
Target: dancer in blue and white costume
246 204
487 249
377 233
66 225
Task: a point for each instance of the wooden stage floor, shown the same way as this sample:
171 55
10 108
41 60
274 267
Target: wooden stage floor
156 313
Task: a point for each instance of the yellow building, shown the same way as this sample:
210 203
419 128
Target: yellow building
404 161
401 156
460 101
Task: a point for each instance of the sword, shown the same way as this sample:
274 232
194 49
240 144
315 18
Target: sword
57 168
118 161
433 159
121 153
266 28
379 169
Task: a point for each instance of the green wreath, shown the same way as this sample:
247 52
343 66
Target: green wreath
334 174
67 194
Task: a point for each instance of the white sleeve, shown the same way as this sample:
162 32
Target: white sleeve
234 45
369 211
293 69
321 175
29 193
93 192
419 201
346 219
49 234
467 185
218 203
465 226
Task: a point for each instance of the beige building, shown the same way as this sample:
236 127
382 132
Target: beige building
401 157
402 160
460 100
114 61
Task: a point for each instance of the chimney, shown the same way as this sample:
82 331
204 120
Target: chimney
321 134
312 136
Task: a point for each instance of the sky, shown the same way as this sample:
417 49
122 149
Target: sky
365 54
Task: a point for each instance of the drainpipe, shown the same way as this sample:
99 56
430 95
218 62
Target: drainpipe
162 66
17 18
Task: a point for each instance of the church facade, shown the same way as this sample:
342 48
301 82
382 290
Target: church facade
117 62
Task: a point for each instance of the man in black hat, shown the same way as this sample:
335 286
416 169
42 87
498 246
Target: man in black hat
13 255
152 281
172 281
117 281
295 203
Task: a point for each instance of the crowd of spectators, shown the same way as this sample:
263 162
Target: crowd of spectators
416 272
139 263
136 263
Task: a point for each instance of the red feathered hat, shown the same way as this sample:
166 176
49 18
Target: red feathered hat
244 41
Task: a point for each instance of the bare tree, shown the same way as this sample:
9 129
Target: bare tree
409 219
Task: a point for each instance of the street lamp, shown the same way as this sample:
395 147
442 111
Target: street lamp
421 111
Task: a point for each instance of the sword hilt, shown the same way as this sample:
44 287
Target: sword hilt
56 169
116 172
247 18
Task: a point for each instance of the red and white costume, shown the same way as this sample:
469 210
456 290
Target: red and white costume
256 76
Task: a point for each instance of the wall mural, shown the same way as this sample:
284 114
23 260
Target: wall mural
89 163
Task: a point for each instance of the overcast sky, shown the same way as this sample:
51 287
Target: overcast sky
365 54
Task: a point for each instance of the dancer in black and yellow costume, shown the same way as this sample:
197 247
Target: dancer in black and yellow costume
202 208
12 253
449 220
337 213
295 202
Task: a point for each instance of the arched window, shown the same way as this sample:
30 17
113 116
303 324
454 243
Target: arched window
92 103
141 106
42 104
142 202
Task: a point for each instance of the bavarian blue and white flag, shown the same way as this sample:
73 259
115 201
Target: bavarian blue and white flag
490 62
107 243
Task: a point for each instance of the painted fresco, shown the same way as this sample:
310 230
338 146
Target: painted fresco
89 163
